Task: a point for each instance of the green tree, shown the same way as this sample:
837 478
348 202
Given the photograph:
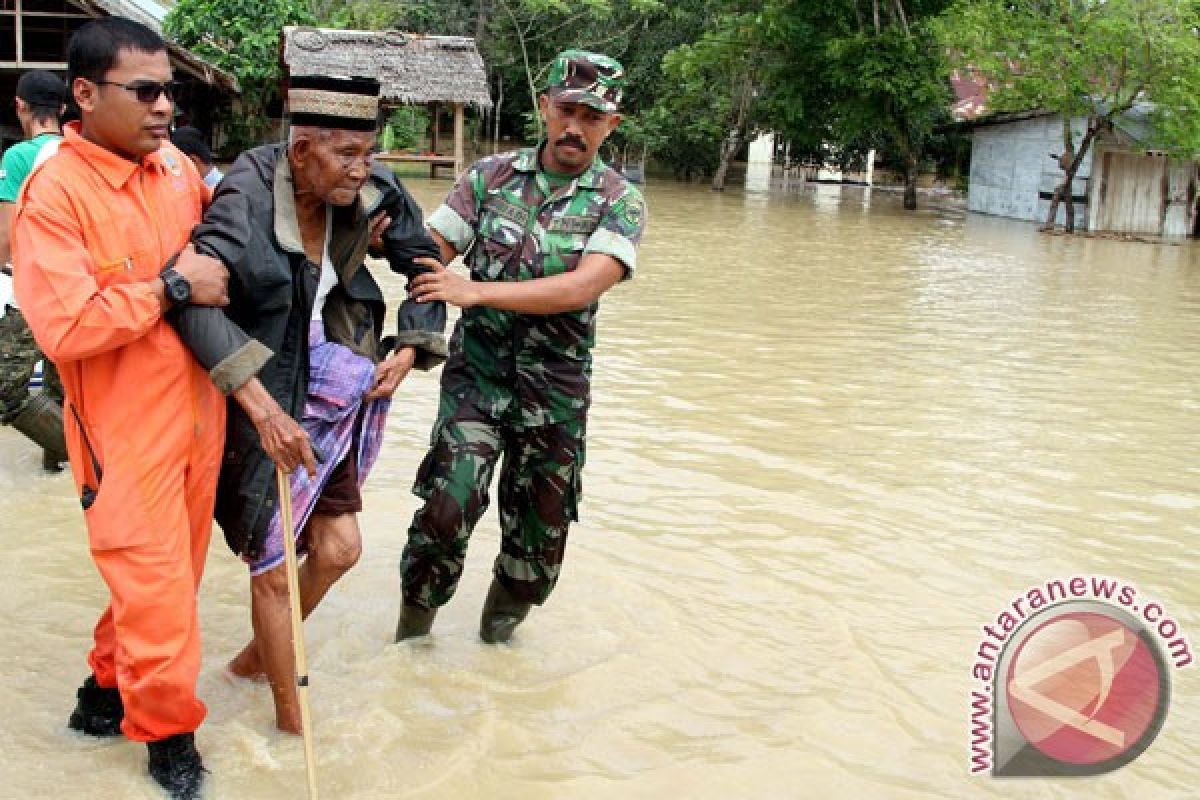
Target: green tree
241 37
519 38
860 75
1094 59
720 77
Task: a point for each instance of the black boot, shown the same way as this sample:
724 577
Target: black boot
41 420
177 767
502 613
414 621
99 711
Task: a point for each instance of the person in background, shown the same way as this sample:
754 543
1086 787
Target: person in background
40 101
193 145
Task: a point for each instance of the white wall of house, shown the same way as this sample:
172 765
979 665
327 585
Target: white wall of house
762 149
1012 166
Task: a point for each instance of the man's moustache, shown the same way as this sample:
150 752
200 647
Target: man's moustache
573 141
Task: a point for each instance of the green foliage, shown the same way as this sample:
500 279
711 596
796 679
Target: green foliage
519 39
405 128
241 37
357 14
860 77
1093 58
891 87
714 89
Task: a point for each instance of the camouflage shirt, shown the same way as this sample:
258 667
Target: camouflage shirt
511 225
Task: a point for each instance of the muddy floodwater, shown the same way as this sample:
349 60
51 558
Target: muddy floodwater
830 441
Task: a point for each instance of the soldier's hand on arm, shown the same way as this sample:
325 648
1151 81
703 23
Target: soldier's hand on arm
556 294
283 439
391 371
440 283
208 277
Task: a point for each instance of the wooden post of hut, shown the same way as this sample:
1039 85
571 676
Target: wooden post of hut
434 136
458 139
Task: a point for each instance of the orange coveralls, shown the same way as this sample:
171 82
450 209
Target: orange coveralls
90 229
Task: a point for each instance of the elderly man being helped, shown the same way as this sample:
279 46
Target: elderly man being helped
298 349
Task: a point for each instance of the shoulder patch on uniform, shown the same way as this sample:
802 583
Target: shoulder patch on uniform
634 211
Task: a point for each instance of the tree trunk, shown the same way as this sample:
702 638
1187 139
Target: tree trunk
496 115
1069 196
910 183
729 149
481 22
1070 161
533 93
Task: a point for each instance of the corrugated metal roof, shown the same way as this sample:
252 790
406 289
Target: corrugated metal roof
147 12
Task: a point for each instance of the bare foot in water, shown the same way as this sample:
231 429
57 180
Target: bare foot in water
289 724
245 665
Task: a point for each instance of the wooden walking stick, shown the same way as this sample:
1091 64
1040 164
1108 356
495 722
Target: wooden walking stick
293 579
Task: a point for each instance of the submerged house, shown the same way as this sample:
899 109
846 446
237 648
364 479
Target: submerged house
1120 187
442 72
34 35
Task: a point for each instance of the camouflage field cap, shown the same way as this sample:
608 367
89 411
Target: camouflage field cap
577 76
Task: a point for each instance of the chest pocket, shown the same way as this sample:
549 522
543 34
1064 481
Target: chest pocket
124 250
502 240
129 245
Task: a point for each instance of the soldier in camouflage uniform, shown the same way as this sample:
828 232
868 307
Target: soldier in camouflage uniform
545 231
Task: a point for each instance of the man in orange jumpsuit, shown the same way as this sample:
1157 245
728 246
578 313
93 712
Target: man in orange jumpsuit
99 252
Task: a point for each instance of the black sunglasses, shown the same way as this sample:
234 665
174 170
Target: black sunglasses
148 91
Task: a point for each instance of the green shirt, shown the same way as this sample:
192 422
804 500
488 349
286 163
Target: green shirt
18 162
512 223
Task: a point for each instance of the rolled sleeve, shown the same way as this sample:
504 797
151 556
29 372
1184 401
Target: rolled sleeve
620 230
452 227
614 244
240 366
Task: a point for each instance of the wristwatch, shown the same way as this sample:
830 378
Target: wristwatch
178 290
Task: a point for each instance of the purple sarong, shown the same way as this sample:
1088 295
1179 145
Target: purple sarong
338 380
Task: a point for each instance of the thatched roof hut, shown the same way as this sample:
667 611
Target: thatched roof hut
414 69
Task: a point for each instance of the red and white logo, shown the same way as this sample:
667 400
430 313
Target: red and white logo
1083 688
1072 678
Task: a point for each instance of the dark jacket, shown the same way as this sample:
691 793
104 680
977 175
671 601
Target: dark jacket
251 226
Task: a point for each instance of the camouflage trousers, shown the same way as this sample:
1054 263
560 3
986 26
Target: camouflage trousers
19 355
539 491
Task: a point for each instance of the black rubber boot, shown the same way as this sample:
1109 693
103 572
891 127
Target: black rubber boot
177 767
414 621
99 711
41 420
502 613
